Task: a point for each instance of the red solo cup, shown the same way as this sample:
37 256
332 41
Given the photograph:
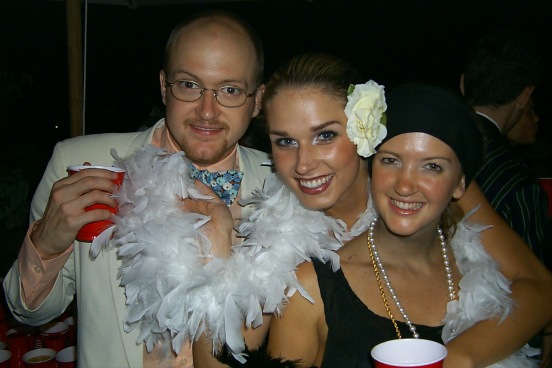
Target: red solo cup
91 230
28 331
40 358
411 353
5 356
3 330
54 335
3 322
70 321
67 358
546 183
18 344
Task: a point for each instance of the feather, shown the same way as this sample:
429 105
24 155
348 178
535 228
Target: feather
101 241
484 291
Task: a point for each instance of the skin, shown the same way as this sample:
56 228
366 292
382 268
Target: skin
411 185
212 53
524 132
508 114
205 130
313 154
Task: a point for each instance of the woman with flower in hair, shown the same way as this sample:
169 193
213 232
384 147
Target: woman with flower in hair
416 272
323 123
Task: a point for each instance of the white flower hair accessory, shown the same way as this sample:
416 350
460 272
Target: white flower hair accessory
365 112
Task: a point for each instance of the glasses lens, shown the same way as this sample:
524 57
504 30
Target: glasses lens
186 90
230 96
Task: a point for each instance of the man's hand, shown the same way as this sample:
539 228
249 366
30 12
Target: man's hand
65 213
219 229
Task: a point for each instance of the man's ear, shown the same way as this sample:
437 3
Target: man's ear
163 89
523 99
258 100
462 84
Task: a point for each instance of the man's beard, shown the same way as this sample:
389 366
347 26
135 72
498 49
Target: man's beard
207 157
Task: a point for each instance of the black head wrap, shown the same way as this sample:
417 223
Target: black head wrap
420 108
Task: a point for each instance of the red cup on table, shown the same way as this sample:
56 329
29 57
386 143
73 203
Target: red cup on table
72 337
3 330
40 358
67 358
54 335
18 344
3 322
5 356
91 230
411 353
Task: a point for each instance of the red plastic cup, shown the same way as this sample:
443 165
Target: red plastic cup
67 358
5 356
90 231
546 183
411 353
72 338
3 322
18 344
3 329
40 358
54 335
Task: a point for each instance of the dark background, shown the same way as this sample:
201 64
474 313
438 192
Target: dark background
391 41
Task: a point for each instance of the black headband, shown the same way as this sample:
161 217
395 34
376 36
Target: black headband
435 111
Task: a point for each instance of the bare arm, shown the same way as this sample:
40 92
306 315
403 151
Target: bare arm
301 331
203 354
487 341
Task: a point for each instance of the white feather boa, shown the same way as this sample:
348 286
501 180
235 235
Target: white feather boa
484 292
173 296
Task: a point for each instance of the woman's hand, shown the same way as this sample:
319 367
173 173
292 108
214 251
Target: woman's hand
219 229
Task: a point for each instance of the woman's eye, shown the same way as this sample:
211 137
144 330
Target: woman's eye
388 161
285 142
434 167
327 135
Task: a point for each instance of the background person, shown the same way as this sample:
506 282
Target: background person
499 79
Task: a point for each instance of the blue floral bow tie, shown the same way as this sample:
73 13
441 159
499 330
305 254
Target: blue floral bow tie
225 184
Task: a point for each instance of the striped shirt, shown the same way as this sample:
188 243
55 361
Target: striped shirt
512 188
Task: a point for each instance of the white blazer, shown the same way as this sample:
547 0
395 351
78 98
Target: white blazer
100 298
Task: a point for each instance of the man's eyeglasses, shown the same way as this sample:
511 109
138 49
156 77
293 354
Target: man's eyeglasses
189 91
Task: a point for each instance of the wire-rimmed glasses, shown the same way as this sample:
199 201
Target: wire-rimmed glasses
190 91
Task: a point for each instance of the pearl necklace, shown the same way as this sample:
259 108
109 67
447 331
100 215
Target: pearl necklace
379 270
